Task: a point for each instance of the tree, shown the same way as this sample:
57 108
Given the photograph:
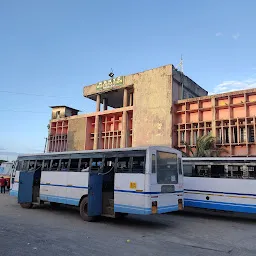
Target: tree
206 147
2 161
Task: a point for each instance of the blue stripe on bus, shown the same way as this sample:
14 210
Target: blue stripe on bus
225 206
60 185
169 208
216 192
60 199
116 190
131 209
141 210
14 193
146 193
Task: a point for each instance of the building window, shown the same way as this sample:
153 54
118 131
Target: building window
235 134
251 134
182 137
219 136
242 134
226 135
194 137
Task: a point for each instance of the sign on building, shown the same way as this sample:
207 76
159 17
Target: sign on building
110 83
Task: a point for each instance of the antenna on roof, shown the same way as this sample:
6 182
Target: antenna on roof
181 64
181 76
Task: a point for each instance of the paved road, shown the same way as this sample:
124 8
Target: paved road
47 231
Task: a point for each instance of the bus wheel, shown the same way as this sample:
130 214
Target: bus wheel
83 210
26 205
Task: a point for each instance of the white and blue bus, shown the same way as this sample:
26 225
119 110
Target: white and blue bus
146 180
220 183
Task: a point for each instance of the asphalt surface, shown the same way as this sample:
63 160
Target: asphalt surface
48 231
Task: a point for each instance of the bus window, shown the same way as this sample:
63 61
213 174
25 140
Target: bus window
25 165
217 171
64 165
46 165
167 168
180 166
202 171
251 171
188 170
55 165
74 165
123 165
153 168
85 165
19 165
96 165
39 164
138 164
32 164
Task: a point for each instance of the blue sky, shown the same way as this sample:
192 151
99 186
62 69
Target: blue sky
54 48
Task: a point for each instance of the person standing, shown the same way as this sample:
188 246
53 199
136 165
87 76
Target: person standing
2 184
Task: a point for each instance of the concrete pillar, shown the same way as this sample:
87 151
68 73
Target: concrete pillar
125 99
124 130
98 103
131 99
213 117
96 133
105 104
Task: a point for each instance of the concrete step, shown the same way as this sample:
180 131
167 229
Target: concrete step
108 215
109 211
111 202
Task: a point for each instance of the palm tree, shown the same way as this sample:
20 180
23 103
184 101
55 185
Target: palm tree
206 147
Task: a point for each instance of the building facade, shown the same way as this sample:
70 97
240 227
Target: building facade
230 117
159 106
141 112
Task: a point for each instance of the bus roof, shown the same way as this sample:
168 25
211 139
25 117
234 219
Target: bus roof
103 151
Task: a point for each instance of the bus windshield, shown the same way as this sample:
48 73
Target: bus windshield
167 168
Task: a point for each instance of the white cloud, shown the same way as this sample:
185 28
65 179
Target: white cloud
218 34
236 36
234 85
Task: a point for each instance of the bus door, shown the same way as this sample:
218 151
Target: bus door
95 194
26 180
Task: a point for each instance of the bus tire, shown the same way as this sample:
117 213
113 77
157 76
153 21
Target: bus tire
26 205
83 210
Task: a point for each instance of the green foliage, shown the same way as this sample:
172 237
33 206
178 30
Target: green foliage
2 161
206 147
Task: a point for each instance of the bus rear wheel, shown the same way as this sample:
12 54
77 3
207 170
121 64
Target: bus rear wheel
84 210
26 205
